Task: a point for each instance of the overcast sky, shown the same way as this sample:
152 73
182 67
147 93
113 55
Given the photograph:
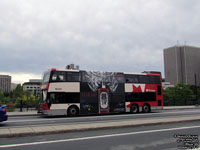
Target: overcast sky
103 35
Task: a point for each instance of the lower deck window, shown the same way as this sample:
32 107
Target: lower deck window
140 96
57 98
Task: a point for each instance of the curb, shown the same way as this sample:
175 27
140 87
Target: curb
41 130
180 107
17 114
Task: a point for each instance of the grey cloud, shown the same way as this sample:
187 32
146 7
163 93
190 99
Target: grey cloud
116 35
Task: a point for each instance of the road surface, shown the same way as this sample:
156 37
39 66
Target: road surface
33 121
159 137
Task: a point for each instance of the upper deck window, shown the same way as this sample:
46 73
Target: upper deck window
154 79
73 76
58 76
132 78
145 79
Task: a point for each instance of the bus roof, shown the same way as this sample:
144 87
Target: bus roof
131 73
67 70
126 73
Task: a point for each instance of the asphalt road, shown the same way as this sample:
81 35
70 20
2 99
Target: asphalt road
159 137
46 121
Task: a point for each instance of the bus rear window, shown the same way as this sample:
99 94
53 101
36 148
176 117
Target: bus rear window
154 79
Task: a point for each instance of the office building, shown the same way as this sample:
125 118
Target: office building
5 83
33 86
182 65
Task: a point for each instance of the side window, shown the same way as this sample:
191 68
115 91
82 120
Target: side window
120 77
56 98
132 79
61 98
138 79
154 79
83 76
53 98
144 79
73 76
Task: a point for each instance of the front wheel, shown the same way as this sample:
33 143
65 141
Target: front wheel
72 111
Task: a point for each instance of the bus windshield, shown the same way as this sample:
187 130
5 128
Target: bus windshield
46 77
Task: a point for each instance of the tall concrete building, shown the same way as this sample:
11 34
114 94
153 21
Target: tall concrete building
5 83
182 64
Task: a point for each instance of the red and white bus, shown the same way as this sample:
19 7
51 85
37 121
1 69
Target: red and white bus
77 92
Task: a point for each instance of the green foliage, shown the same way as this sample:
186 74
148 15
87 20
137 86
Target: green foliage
181 94
198 95
18 92
169 96
14 98
3 99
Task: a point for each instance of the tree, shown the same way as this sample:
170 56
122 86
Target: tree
178 95
4 99
184 93
169 96
198 96
18 92
1 98
18 98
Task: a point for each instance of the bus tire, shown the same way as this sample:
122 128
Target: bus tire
73 111
134 108
146 108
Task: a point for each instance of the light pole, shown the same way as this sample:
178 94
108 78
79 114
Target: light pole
195 80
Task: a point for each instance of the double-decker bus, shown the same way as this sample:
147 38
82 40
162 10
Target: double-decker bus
78 92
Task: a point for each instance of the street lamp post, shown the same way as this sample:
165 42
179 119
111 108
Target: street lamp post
195 80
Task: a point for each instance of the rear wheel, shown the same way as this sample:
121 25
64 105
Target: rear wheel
72 111
146 108
134 108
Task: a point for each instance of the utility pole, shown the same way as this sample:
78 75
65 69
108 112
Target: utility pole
195 80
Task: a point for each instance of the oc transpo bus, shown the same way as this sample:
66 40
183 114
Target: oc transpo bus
77 92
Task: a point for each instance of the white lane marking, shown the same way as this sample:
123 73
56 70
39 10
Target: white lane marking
90 117
96 137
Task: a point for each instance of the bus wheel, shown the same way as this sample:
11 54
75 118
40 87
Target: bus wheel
72 111
146 108
134 108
